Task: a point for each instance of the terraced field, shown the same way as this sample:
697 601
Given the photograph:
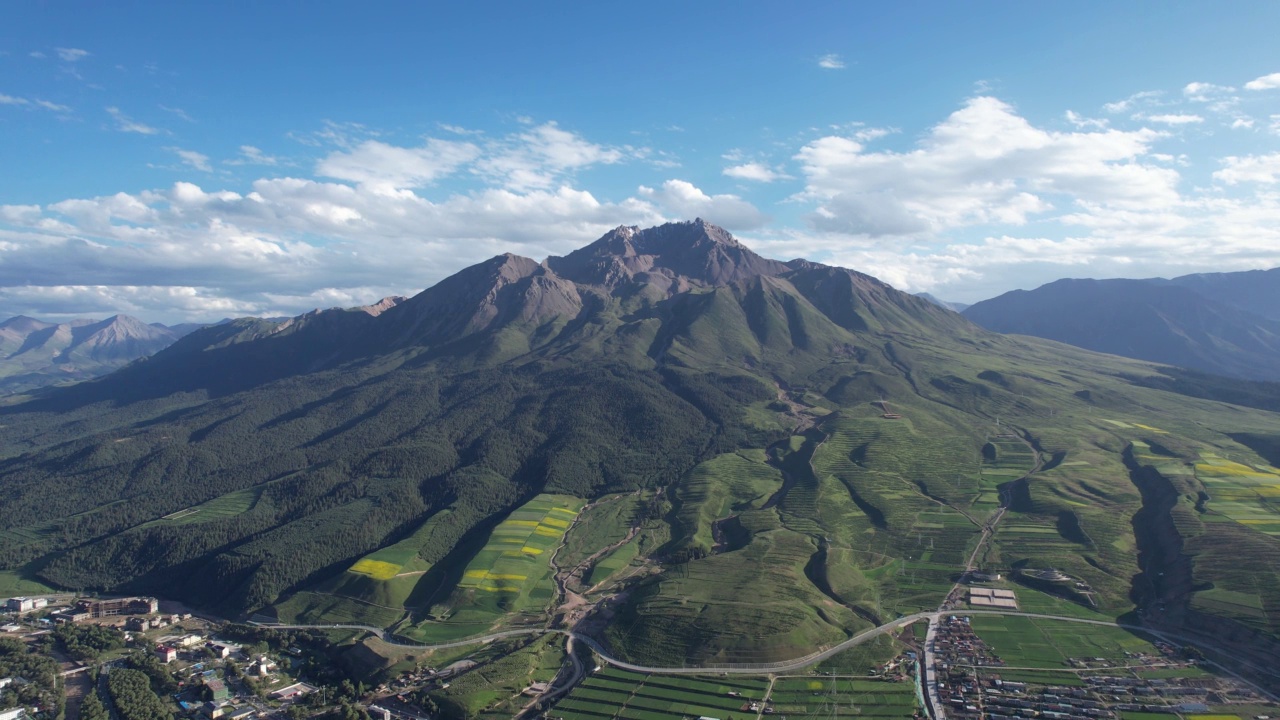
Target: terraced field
509 576
616 693
1248 494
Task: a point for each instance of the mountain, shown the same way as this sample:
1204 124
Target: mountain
34 353
748 458
1161 322
957 306
1253 291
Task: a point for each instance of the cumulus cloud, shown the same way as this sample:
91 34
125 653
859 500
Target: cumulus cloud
831 61
126 124
11 100
682 199
756 172
286 246
1250 168
983 164
1266 82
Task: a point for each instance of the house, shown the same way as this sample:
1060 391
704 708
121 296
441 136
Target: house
137 624
243 713
222 650
166 653
13 714
217 689
214 709
10 628
187 641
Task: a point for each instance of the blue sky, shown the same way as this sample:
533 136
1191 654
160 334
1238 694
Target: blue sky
180 162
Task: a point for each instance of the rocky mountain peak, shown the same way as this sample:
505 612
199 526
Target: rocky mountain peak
681 254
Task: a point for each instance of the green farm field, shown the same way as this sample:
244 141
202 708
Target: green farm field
1023 642
616 693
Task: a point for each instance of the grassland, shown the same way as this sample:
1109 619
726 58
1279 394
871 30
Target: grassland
219 508
616 693
13 584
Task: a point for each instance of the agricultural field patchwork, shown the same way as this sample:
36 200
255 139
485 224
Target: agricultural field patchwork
509 575
615 693
1248 494
842 697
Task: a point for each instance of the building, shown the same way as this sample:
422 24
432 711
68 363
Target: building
222 650
70 616
13 714
218 689
119 606
187 641
25 604
293 692
166 653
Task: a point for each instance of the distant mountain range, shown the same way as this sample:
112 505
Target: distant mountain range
35 353
1220 323
957 306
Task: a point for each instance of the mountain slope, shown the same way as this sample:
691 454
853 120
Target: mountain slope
34 353
1253 291
806 451
1164 323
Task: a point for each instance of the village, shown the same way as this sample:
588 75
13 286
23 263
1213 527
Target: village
975 683
209 669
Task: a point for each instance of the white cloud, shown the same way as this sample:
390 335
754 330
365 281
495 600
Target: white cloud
1080 121
1172 118
983 164
199 161
541 157
24 102
250 155
682 199
831 61
176 111
1242 123
756 172
71 54
55 107
36 54
126 124
1250 168
1205 92
1266 82
379 164
285 247
1146 97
